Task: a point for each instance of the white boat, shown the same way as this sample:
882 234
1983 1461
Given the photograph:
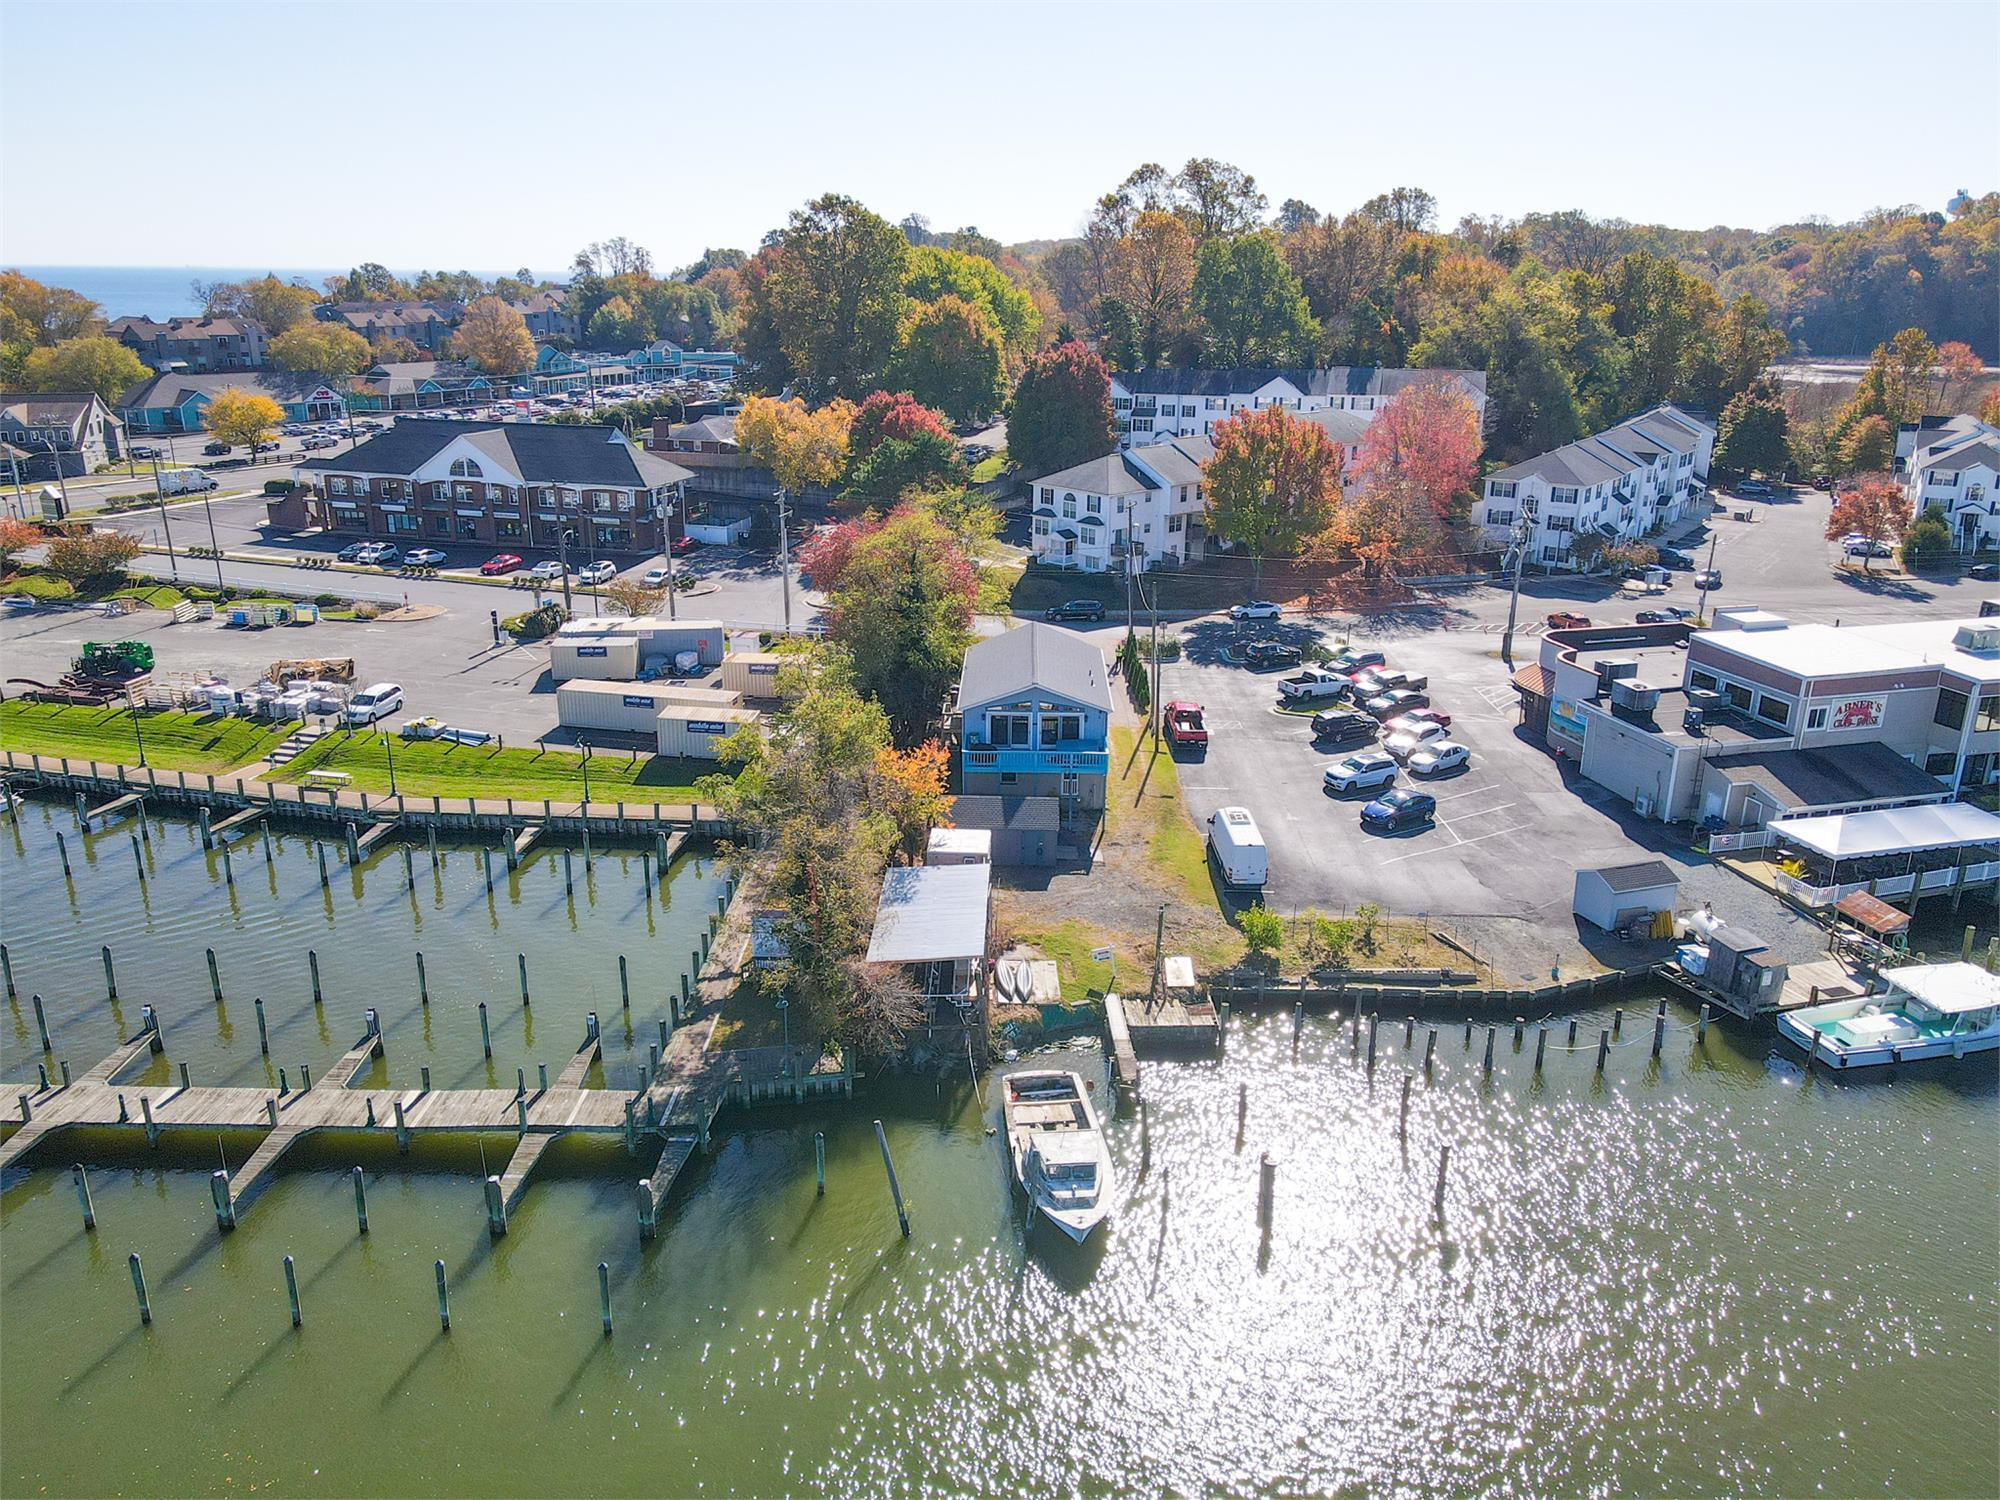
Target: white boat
1928 1010
1058 1153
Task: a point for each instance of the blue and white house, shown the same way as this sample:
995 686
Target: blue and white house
1034 708
174 402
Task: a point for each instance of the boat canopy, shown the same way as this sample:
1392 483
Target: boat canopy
1948 989
1892 830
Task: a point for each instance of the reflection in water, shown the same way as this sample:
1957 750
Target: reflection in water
1701 1274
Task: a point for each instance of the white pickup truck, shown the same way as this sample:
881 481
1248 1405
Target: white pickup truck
1313 685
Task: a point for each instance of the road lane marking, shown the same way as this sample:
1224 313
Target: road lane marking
1448 848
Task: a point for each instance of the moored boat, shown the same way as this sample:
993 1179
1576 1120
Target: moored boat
1056 1149
1927 1011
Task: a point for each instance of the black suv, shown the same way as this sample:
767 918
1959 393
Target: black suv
1075 609
1267 654
1342 725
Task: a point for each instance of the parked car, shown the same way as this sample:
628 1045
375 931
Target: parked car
1439 758
1708 578
215 450
1755 489
1673 557
257 448
1379 680
1075 609
141 450
320 440
1341 725
1238 848
504 562
1822 481
380 555
1360 772
1185 727
599 572
1862 547
654 578
1349 662
372 703
1266 655
1313 685
1256 609
423 557
1412 737
1425 716
1983 571
1401 808
1567 619
1401 701
352 551
22 604
549 572
1657 616
683 545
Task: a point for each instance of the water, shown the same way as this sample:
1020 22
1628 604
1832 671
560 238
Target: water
1702 1275
166 291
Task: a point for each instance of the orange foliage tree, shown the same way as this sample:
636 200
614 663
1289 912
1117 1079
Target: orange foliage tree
1874 510
915 780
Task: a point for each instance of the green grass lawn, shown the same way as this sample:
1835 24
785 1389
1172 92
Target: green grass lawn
436 768
174 741
990 467
1144 796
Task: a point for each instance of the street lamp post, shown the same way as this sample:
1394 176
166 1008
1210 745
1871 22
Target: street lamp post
132 704
784 1009
389 749
785 558
586 777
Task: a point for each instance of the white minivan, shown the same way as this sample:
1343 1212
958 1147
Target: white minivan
1238 848
372 703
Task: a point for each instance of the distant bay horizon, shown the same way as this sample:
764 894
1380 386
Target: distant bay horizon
168 291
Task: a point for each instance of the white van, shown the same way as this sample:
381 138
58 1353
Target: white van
372 703
1238 848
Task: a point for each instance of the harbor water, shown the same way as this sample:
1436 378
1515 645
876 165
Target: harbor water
1701 1273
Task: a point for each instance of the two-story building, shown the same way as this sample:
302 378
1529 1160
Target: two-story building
1034 708
663 359
1153 405
60 434
424 384
197 344
509 485
1618 485
546 316
1134 509
175 402
1953 463
426 324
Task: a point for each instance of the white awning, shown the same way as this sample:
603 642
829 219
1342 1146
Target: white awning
931 912
1949 989
1892 830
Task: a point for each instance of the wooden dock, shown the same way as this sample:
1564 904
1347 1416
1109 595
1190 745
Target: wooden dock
1124 1060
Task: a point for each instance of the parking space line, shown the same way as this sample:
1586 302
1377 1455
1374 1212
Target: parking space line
1448 848
1471 791
1482 812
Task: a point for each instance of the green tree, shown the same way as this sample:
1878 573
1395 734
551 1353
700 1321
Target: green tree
903 610
1753 433
835 295
94 363
1927 540
1251 304
1869 447
33 313
1666 319
934 272
494 338
1262 928
950 355
1061 413
328 350
1273 482
895 467
617 324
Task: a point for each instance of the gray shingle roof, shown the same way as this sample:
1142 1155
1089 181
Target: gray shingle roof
1019 814
172 389
1029 657
1965 457
540 452
1638 877
1337 380
1178 461
1570 464
1112 474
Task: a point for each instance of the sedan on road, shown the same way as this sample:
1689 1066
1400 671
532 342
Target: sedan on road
423 557
1256 609
320 440
1708 578
1401 808
1075 609
505 562
1439 758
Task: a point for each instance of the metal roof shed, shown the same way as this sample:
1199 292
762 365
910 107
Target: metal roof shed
931 913
1616 894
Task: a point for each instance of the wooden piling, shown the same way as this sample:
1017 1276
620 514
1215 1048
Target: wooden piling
81 1179
624 984
270 854
63 1063
432 831
648 1214
1373 1021
1444 1166
895 1189
604 1295
42 1024
353 846
1267 1192
320 849
687 992
1659 1031
569 874
1242 1111
409 871
1572 1034
1403 1115
110 978
486 862
423 983
1519 1024
263 1032
1298 1023
312 962
402 1129
139 1290
225 1208
1603 1047
228 869
424 1077
360 1201
819 1164
1701 1024
1487 1065
542 1069
185 1085
1541 1045
485 1033
1618 1021
146 1112
207 834
292 1290
214 977
1430 1047
1409 1032
7 969
138 859
496 1208
522 960
62 853
444 1304
27 1109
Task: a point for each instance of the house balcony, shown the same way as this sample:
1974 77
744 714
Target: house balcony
978 756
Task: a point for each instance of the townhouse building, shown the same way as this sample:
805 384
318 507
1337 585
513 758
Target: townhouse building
198 344
1134 509
60 434
1151 406
175 401
1034 708
1617 485
545 316
1954 464
425 324
509 485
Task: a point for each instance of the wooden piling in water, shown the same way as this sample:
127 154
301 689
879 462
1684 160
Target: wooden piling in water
624 984
1541 1045
1603 1047
1403 1115
432 831
207 834
1618 1021
1444 1166
1487 1065
486 862
139 1290
312 963
7 969
1572 1034
146 1112
228 869
138 859
81 1179
1430 1047
214 977
496 1208
569 874
604 1295
423 983
819 1163
485 1033
270 854
1267 1192
353 846
110 978
1659 1031
225 1207
42 1024
62 853
1373 1021
1701 1024
522 960
320 849
360 1201
895 1189
648 1213
402 1129
444 1305
263 1033
292 1289
63 1063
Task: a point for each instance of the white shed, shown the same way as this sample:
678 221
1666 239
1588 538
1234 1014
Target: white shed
1616 894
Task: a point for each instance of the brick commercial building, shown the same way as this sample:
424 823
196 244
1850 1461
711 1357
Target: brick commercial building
511 485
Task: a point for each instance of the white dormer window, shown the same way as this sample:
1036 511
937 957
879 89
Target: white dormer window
465 468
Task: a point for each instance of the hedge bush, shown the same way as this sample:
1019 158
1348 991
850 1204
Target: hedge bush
535 623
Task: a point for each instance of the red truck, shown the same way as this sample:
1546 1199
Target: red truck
1184 726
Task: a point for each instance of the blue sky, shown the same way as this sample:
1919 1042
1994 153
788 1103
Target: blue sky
305 135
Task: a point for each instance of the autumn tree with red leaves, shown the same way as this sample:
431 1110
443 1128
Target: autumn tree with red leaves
1274 481
893 414
1426 439
1874 510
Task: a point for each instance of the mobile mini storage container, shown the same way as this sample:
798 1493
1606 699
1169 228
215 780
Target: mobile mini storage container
630 707
594 648
660 641
754 674
693 731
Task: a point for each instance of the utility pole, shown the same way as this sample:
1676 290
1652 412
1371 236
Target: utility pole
785 558
62 482
667 531
1159 947
160 494
1520 548
1714 536
214 545
1153 657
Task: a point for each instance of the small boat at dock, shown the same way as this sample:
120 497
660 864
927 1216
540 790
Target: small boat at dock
1927 1011
1057 1151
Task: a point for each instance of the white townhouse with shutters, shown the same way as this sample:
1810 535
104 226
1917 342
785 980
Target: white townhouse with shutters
1621 484
1153 405
1138 508
1954 464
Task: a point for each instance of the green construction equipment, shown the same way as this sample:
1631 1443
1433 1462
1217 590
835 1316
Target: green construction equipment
114 659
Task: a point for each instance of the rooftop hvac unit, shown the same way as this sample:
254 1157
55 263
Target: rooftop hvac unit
1611 668
1707 700
1639 697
